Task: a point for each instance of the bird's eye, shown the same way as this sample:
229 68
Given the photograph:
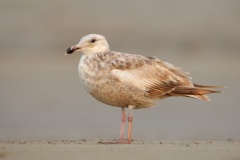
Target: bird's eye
93 40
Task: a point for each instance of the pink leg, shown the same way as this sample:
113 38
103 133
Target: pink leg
130 119
121 140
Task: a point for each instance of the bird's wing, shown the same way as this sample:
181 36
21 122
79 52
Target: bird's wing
153 76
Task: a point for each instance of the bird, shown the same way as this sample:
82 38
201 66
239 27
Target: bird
129 80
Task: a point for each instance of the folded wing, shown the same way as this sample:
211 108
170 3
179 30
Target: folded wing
157 78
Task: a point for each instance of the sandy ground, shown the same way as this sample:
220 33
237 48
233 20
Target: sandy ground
141 150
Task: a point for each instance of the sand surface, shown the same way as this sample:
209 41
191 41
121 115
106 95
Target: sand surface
141 150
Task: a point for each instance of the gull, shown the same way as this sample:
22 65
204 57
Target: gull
130 81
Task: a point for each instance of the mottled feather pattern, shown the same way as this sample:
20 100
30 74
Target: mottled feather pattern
130 81
121 79
147 77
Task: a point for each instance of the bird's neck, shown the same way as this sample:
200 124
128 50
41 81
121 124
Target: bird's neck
104 48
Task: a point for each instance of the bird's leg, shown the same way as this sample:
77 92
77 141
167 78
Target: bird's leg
130 119
123 121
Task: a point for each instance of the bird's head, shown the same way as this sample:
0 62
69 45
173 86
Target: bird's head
92 43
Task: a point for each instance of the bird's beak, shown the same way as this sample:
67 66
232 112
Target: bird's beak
72 49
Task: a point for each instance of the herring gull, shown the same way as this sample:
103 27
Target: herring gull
130 81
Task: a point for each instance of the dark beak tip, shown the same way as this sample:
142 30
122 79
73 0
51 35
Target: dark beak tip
69 50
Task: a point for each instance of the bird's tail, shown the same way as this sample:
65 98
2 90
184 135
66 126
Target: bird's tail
204 86
198 91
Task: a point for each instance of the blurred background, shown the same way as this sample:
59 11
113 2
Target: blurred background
41 97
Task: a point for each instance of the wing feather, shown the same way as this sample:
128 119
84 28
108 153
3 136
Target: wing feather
154 79
147 73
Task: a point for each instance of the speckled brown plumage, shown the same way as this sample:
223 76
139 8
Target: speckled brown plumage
128 80
121 79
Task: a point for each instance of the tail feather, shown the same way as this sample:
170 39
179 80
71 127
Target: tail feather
201 97
194 92
204 86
